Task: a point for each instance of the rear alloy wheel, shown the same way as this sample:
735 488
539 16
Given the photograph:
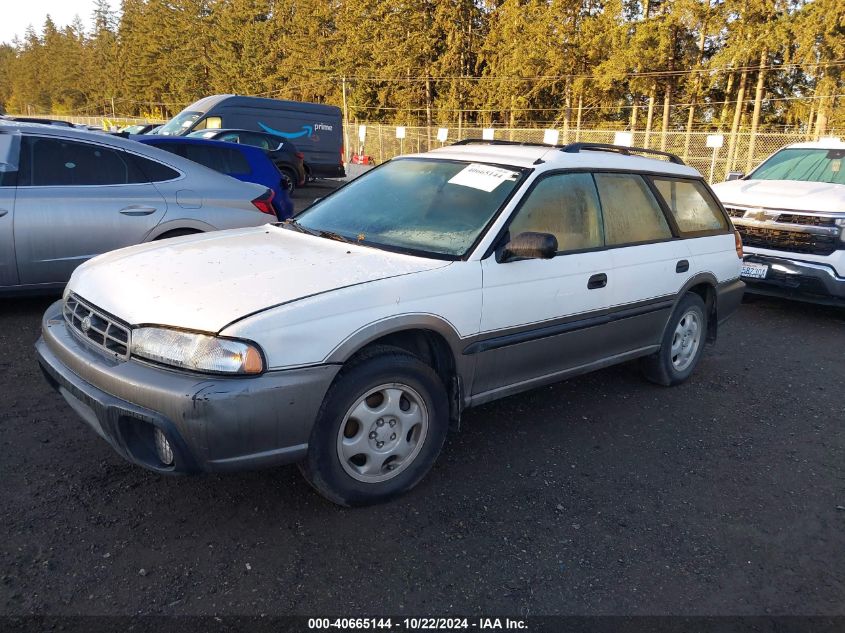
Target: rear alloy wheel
686 340
682 344
380 429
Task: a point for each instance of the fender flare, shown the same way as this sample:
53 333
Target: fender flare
377 329
712 318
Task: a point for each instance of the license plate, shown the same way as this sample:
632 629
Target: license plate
754 271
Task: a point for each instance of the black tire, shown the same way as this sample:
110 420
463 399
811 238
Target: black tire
660 368
323 468
176 233
289 180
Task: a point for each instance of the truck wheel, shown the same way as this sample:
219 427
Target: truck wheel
682 344
380 429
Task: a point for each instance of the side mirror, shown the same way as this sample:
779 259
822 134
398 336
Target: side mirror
736 175
528 245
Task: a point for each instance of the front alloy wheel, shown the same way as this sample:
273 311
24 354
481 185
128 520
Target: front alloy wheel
380 428
382 433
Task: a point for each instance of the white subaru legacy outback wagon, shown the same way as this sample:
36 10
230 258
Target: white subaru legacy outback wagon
349 338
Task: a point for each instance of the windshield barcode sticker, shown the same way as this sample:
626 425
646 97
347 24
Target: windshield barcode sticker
482 177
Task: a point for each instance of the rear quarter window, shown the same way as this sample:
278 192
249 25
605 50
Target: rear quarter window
153 171
630 211
691 205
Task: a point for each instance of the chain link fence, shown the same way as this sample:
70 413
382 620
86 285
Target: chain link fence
105 122
737 153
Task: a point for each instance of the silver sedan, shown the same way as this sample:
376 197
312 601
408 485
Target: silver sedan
67 195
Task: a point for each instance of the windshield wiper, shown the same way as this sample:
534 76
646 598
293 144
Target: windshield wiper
299 227
329 235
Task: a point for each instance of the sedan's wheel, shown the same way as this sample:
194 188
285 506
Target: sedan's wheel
682 344
382 433
379 430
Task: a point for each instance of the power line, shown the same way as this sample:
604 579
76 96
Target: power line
627 75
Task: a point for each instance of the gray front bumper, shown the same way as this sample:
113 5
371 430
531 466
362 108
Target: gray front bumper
213 423
797 279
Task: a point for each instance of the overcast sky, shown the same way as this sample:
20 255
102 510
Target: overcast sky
16 15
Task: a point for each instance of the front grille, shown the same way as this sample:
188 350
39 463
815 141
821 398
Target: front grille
793 241
802 283
95 326
806 220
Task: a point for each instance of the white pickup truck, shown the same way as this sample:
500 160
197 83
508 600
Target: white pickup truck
790 212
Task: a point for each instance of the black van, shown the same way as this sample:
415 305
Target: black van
315 129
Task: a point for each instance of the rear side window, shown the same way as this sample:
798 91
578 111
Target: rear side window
153 170
224 160
631 212
257 140
691 204
566 206
54 162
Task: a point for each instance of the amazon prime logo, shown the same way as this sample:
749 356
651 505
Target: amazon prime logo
306 131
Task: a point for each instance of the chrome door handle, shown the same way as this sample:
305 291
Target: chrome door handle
137 210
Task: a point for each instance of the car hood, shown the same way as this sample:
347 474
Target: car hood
795 195
207 281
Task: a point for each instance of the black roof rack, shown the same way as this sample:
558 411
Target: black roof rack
575 148
481 141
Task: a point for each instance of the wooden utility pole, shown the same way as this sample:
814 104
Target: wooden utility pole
345 121
695 90
650 116
667 99
723 116
567 112
428 110
740 103
578 119
758 104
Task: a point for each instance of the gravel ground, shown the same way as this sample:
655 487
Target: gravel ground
601 495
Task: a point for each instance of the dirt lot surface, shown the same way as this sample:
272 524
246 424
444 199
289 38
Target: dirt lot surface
601 495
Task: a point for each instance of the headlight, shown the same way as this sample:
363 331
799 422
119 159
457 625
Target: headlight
198 352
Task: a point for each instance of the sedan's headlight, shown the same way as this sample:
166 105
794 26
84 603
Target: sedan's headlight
197 352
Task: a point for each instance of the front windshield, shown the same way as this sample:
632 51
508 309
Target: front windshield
800 163
181 122
434 206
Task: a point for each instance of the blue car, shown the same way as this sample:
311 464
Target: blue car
244 162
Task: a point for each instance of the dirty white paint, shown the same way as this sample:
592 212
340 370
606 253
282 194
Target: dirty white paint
205 282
